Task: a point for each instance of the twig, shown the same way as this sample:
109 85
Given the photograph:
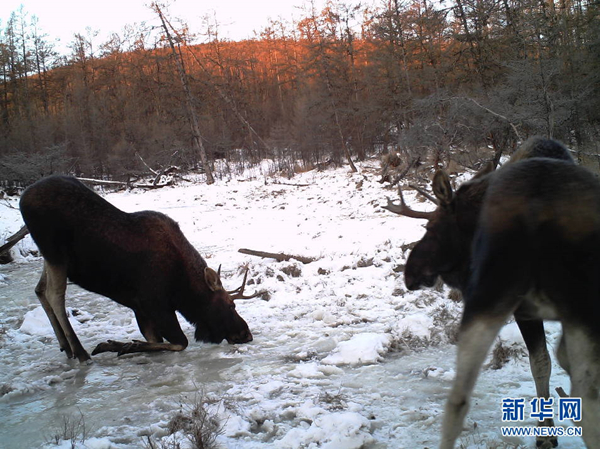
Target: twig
514 128
10 206
154 172
562 393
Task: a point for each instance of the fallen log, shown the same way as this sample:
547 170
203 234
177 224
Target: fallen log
101 182
279 257
13 240
279 183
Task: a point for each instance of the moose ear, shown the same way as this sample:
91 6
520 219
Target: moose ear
212 279
442 188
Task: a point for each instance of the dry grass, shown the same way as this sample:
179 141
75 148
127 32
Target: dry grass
195 423
502 354
334 401
71 428
477 441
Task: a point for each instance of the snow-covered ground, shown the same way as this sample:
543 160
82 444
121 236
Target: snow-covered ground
343 356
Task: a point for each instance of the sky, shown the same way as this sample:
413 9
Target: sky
61 19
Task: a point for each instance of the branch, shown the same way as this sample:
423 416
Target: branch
101 182
424 193
495 114
164 172
561 392
280 257
154 172
10 206
14 239
401 176
279 183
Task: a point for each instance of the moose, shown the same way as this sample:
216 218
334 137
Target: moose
141 260
522 240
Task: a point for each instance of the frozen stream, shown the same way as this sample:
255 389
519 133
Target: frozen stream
272 378
342 357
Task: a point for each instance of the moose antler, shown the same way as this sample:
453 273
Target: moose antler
238 293
403 209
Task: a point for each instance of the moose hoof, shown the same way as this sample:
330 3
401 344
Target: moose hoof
83 357
68 352
546 443
108 346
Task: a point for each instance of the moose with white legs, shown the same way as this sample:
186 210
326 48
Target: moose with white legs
141 260
523 240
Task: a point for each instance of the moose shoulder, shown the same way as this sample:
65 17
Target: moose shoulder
141 260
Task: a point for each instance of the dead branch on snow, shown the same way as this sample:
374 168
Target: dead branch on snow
280 257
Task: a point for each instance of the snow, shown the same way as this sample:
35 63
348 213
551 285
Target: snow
339 430
35 322
360 349
343 355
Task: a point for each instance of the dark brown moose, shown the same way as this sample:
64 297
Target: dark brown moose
523 240
141 260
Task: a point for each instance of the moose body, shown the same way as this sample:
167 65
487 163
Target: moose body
447 248
141 260
536 253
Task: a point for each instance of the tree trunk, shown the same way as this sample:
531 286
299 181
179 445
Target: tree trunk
196 136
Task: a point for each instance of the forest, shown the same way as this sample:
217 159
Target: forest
432 82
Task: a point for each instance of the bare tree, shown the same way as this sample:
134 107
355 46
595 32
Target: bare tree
193 117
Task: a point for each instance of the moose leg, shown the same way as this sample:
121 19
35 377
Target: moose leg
147 327
475 341
489 302
40 291
562 356
169 328
539 361
584 369
56 286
